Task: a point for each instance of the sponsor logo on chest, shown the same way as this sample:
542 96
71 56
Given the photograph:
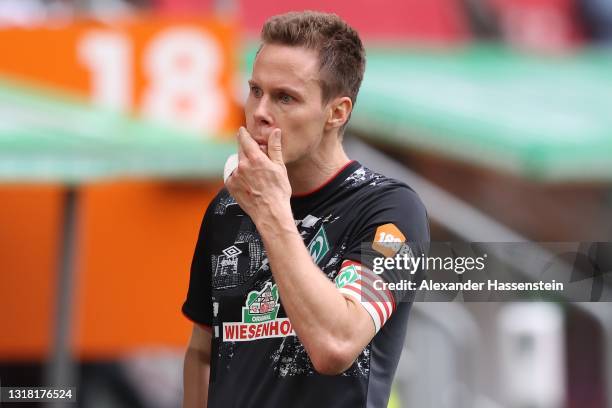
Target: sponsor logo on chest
259 318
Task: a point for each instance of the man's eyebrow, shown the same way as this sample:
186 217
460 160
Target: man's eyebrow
282 88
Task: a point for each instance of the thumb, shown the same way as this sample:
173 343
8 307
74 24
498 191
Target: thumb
275 152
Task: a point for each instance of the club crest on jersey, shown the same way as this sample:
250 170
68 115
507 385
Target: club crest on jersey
319 246
261 306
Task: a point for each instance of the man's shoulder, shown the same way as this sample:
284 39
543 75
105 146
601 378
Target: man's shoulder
222 195
221 203
381 200
383 188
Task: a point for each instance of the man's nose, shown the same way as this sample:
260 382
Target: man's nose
262 114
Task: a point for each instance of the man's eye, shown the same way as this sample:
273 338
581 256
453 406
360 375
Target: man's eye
284 98
256 91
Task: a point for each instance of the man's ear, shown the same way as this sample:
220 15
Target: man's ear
339 112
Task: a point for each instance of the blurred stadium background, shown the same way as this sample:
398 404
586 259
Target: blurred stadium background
116 118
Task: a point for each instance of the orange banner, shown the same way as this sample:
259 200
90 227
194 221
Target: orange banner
174 70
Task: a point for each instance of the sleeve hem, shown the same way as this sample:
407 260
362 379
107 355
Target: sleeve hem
188 313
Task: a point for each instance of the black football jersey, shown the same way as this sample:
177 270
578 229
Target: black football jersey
257 359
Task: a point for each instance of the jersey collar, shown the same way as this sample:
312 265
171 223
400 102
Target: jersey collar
324 190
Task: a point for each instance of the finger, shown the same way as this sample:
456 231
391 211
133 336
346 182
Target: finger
265 135
246 143
275 151
241 154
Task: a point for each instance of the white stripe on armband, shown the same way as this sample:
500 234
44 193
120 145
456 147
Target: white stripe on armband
357 282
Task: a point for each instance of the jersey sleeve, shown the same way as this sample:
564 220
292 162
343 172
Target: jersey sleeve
198 304
394 225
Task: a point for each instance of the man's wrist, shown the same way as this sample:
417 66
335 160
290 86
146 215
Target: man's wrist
276 222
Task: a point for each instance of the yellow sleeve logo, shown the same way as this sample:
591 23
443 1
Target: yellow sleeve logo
388 240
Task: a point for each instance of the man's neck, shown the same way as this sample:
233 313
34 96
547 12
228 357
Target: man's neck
312 172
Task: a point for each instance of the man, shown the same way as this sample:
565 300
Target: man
281 293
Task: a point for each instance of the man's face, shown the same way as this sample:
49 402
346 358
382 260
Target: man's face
285 93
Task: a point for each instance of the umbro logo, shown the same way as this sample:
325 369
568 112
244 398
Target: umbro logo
232 251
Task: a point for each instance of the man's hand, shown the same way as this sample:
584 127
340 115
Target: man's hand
260 184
